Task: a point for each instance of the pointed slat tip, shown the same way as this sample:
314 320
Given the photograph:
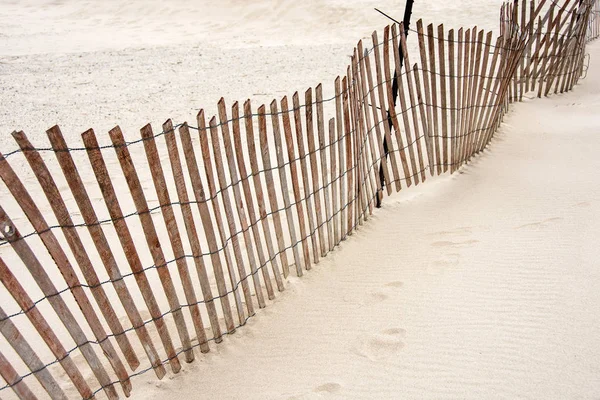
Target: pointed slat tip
54 130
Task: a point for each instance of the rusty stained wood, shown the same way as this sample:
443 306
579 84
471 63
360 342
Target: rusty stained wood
260 198
326 186
214 135
42 279
43 329
62 262
203 133
207 224
385 119
63 217
127 243
13 336
190 226
284 182
154 245
160 185
287 129
273 200
90 218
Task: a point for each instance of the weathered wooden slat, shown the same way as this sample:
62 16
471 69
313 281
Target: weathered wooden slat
314 169
233 230
154 245
101 243
475 73
382 158
14 380
190 226
287 129
284 185
273 199
207 225
13 336
434 165
465 97
477 103
522 66
160 185
493 75
126 240
409 139
305 179
44 330
63 217
364 101
385 118
41 278
342 167
434 96
333 184
260 198
391 105
350 198
452 78
326 187
459 99
203 133
245 181
443 96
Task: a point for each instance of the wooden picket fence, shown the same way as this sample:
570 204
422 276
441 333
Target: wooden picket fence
239 199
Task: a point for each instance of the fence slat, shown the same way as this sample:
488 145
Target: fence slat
459 99
305 179
273 202
465 97
364 101
492 76
434 163
190 226
44 330
126 240
141 206
476 73
99 238
443 96
409 139
245 180
284 185
203 133
160 186
287 129
361 182
13 336
333 184
386 119
314 169
207 225
326 187
350 171
12 378
452 83
38 273
391 104
46 181
260 198
214 135
62 262
434 96
342 167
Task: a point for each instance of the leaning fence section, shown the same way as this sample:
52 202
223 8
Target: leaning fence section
128 257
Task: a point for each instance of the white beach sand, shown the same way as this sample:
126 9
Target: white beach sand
485 284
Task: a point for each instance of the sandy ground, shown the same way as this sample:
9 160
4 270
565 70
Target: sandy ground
479 285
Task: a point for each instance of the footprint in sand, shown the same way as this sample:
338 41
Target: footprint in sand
329 387
384 293
385 345
539 224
